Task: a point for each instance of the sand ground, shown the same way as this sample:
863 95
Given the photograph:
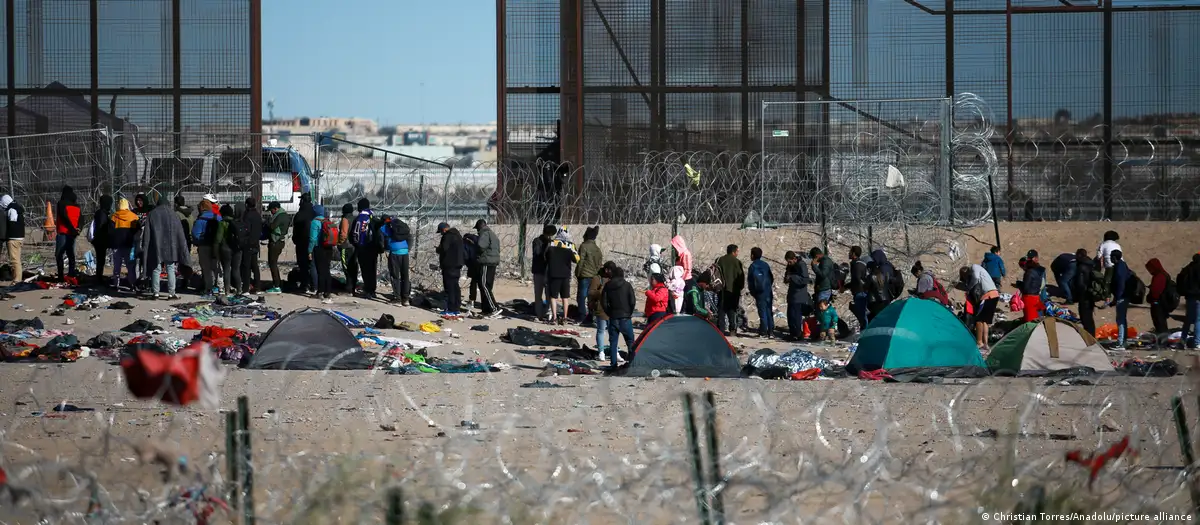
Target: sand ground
611 450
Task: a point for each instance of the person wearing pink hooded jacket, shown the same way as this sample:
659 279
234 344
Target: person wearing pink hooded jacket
683 257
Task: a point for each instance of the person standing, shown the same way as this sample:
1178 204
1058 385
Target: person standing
14 231
823 274
1120 282
66 219
489 259
204 234
559 258
1154 295
229 246
677 286
538 268
1188 282
657 297
762 286
301 229
1064 267
596 300
799 302
619 304
124 224
654 264
591 258
859 265
1032 284
450 259
683 256
250 230
166 248
994 264
362 233
1081 289
733 277
398 234
1104 254
101 230
324 239
184 213
475 272
276 240
346 248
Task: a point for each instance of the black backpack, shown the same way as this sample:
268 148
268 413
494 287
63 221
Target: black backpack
1169 300
233 236
1135 289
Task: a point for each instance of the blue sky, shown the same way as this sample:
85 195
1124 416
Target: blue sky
360 58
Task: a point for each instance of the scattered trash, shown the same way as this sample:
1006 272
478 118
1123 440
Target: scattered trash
72 408
468 424
481 328
573 430
387 427
544 384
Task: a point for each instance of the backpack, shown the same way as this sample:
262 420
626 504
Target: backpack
1096 287
233 235
716 281
1135 289
1169 300
470 248
938 293
896 283
360 230
203 231
328 236
841 272
382 235
758 276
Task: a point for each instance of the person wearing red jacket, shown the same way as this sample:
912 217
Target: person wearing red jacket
1158 285
66 220
657 298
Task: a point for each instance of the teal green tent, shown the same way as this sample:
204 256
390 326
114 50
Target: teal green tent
915 333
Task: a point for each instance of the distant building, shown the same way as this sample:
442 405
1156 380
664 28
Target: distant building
307 125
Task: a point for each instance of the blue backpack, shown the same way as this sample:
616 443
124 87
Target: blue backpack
360 230
202 234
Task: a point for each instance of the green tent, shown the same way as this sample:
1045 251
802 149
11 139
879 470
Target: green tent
915 333
1046 346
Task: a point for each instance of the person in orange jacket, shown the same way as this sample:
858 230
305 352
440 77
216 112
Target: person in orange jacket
124 223
657 298
66 218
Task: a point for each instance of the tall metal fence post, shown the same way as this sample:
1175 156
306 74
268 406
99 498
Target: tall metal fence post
8 159
947 161
762 166
446 194
416 245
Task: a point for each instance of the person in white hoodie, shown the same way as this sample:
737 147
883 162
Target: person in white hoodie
13 216
1104 255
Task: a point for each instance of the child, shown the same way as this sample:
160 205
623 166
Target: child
994 264
762 283
695 304
676 285
654 264
828 318
656 299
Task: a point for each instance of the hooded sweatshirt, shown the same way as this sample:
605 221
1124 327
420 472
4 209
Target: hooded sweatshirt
228 222
1082 282
279 225
124 222
314 227
66 213
251 225
619 301
994 265
656 299
858 274
654 263
102 222
1188 280
760 278
798 281
302 222
560 256
879 260
1034 279
1158 280
683 257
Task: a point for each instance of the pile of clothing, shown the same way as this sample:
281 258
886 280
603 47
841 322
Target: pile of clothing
229 344
60 349
418 364
237 307
523 336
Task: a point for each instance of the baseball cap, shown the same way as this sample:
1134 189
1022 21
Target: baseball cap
1031 254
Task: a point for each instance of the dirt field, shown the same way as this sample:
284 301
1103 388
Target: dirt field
610 450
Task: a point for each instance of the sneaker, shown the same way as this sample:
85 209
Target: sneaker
327 301
172 297
603 357
494 314
274 291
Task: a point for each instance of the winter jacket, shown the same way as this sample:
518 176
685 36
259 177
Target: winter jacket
590 260
251 224
14 219
1158 280
683 256
559 258
798 281
879 291
733 274
656 299
314 227
1062 263
654 263
450 252
1188 280
224 239
66 218
184 215
1081 284
1034 279
102 223
398 236
693 302
1104 252
858 274
279 224
1121 275
537 264
489 247
823 274
344 228
619 301
124 222
300 224
165 238
596 298
760 280
994 265
828 318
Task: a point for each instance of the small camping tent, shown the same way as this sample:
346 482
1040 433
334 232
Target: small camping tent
915 334
1047 346
309 339
685 344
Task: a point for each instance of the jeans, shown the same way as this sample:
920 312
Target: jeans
453 291
601 333
322 259
619 327
584 285
398 271
251 275
274 249
123 257
65 245
1122 323
304 262
208 266
766 314
539 295
1064 282
368 264
858 307
157 278
1191 326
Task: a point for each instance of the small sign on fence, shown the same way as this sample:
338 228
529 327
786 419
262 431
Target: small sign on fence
779 133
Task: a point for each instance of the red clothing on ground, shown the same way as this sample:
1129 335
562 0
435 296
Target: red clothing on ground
1033 307
656 299
1158 281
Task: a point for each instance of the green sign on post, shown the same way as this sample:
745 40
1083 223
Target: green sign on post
779 133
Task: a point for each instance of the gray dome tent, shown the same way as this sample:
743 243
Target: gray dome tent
687 345
309 339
